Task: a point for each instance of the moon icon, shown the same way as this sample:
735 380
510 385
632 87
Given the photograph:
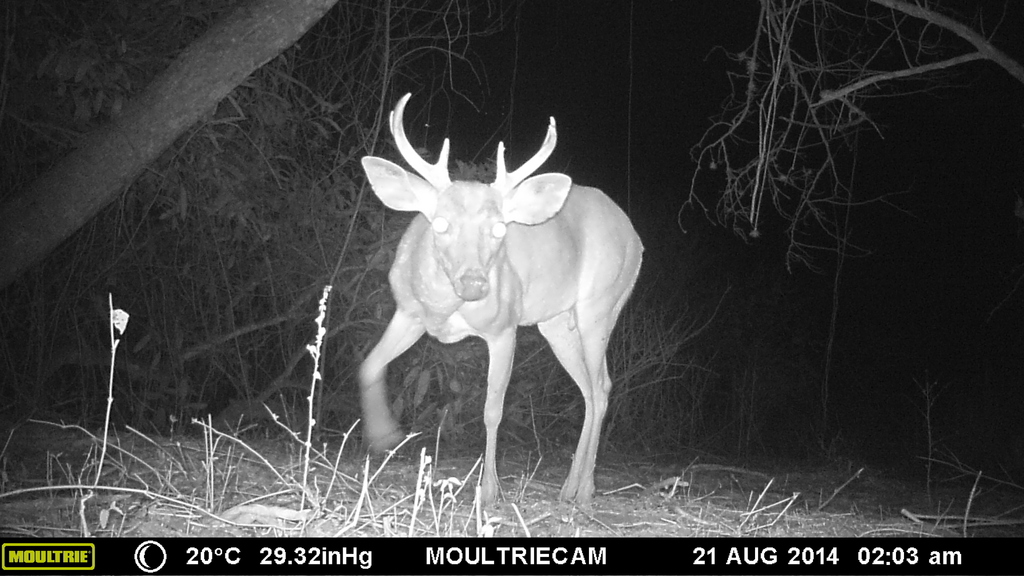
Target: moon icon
140 556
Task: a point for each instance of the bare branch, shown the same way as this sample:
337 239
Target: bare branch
984 47
786 139
827 95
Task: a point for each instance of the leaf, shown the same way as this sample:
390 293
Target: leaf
119 318
398 407
421 388
83 68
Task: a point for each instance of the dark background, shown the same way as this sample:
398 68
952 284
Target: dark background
932 300
265 201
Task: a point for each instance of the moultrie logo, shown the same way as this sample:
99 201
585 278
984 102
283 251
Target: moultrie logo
49 556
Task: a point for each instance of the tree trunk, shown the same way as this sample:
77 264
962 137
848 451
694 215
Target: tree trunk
107 160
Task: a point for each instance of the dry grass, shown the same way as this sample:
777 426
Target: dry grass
62 480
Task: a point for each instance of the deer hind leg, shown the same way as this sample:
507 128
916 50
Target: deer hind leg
380 429
579 342
500 349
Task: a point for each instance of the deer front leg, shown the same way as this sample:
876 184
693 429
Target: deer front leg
500 349
380 431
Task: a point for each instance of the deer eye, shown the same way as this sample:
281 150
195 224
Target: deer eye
499 230
440 225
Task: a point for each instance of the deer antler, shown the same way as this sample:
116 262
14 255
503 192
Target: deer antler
506 182
435 174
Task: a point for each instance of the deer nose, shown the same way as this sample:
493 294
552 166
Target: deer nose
472 286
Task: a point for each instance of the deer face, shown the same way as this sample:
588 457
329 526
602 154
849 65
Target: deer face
468 220
468 230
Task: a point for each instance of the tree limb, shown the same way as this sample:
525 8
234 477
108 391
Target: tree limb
828 95
984 47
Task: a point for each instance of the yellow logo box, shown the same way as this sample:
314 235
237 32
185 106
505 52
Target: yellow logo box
49 556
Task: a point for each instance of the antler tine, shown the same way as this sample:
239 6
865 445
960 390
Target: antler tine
435 174
506 181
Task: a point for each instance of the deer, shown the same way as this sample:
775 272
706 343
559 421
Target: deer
483 259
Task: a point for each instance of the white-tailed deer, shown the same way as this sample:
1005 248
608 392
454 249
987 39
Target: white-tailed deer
481 260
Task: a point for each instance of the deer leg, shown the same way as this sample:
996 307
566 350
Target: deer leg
584 485
562 334
379 427
579 344
501 350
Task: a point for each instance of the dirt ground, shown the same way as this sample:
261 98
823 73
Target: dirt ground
220 485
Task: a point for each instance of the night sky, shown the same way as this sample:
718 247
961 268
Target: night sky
942 255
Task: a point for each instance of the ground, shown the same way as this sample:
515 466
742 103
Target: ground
222 485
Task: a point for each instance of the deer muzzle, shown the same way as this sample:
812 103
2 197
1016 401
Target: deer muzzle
472 286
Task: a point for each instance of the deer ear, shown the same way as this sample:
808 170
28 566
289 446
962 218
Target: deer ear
537 199
398 189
